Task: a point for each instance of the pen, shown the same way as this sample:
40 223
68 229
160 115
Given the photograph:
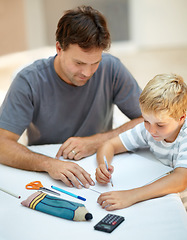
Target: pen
163 175
10 193
107 169
68 193
91 189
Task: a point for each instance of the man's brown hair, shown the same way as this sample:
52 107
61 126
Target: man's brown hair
84 26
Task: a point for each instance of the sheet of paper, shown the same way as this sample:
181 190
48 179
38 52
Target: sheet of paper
148 169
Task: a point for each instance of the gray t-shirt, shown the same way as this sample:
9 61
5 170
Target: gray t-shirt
52 110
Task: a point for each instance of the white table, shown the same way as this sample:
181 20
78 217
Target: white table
156 219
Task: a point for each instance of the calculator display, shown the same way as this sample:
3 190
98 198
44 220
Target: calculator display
105 226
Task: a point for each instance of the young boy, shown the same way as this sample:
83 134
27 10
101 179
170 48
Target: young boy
163 103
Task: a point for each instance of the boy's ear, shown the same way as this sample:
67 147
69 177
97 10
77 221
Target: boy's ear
182 118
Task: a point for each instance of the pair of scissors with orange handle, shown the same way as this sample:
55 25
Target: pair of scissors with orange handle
37 185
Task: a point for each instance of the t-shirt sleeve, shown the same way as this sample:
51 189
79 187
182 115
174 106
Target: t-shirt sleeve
126 91
17 109
134 138
181 160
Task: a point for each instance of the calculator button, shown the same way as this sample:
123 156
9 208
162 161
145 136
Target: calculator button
114 223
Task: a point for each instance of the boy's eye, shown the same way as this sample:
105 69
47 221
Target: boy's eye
160 125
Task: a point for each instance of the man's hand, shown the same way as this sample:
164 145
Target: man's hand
69 173
78 147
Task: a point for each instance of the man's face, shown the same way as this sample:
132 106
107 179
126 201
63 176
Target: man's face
76 66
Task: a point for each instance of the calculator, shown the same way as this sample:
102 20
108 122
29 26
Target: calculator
109 223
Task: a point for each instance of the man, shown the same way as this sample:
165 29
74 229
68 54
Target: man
68 99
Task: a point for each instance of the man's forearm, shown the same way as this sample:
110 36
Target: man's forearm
18 156
102 137
128 125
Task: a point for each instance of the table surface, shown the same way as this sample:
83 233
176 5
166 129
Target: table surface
160 218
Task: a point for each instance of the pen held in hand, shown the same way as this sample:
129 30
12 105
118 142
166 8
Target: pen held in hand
107 169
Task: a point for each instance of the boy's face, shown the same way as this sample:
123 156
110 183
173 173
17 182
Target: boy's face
163 127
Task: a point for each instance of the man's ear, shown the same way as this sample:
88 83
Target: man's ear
58 47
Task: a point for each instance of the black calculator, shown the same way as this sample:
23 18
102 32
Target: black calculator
109 223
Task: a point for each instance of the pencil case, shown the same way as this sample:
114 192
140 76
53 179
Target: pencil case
57 207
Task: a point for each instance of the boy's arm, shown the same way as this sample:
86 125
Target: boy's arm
172 183
108 149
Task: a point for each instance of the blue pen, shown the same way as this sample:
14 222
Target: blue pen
68 193
107 169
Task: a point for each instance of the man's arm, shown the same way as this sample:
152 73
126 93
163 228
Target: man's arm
18 156
85 146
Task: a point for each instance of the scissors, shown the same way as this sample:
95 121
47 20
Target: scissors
37 185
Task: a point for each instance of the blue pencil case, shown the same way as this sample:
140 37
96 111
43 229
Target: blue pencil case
57 207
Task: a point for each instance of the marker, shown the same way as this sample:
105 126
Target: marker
107 169
68 193
10 193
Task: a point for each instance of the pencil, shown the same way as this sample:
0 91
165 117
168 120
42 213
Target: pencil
107 169
10 193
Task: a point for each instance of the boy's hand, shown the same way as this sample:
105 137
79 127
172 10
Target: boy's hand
116 199
102 174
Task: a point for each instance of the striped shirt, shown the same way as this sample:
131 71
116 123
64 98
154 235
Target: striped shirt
171 154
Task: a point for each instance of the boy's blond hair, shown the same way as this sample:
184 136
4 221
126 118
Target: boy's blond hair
165 94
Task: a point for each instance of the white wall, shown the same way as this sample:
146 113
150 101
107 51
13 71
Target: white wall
158 23
153 23
35 23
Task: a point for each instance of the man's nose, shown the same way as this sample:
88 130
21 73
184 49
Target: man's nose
87 71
